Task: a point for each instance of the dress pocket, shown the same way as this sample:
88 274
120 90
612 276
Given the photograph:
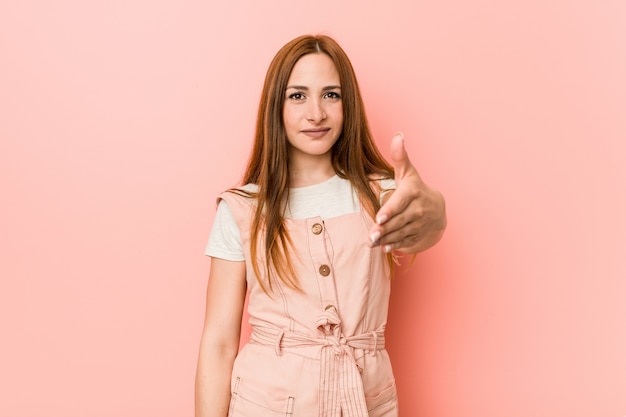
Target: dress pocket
245 401
384 404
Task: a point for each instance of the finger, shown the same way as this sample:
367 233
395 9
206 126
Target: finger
401 245
407 180
395 229
396 204
408 231
399 158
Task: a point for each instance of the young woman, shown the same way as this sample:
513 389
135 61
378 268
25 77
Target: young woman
306 237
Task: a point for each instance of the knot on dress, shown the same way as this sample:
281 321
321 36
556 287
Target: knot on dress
328 321
341 386
339 345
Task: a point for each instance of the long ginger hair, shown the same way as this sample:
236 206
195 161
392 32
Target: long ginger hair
354 155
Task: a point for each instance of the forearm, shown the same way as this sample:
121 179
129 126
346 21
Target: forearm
213 374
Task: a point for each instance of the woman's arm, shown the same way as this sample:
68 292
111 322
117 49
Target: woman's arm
226 292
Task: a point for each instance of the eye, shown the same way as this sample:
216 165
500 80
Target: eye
296 96
332 95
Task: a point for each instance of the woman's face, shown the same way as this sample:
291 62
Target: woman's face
312 112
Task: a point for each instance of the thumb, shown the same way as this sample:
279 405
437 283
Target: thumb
399 158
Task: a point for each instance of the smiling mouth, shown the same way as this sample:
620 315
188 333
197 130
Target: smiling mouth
316 133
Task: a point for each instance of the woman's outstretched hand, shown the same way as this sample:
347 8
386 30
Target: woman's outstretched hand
413 218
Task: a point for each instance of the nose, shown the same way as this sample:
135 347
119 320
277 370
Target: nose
315 112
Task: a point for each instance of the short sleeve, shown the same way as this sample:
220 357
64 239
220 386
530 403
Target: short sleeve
387 185
224 239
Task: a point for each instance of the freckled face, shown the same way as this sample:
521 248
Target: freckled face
313 112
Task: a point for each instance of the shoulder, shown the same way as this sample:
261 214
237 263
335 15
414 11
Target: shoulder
246 193
384 183
240 201
387 184
382 186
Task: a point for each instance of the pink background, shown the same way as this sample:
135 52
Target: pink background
120 121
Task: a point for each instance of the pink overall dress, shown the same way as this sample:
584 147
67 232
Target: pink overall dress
319 352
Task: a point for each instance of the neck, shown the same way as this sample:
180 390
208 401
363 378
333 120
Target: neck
309 171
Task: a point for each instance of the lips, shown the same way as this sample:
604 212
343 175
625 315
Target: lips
316 133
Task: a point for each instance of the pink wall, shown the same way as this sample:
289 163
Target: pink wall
121 120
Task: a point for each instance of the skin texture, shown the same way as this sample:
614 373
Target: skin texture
313 118
219 344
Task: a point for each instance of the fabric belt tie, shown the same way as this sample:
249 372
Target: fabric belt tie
341 386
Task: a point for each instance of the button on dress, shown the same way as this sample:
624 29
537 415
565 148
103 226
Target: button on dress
318 351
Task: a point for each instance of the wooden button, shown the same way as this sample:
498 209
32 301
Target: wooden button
324 270
316 228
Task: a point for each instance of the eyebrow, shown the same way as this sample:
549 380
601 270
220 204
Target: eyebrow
305 88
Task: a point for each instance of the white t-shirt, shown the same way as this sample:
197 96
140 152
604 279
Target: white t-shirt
331 198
